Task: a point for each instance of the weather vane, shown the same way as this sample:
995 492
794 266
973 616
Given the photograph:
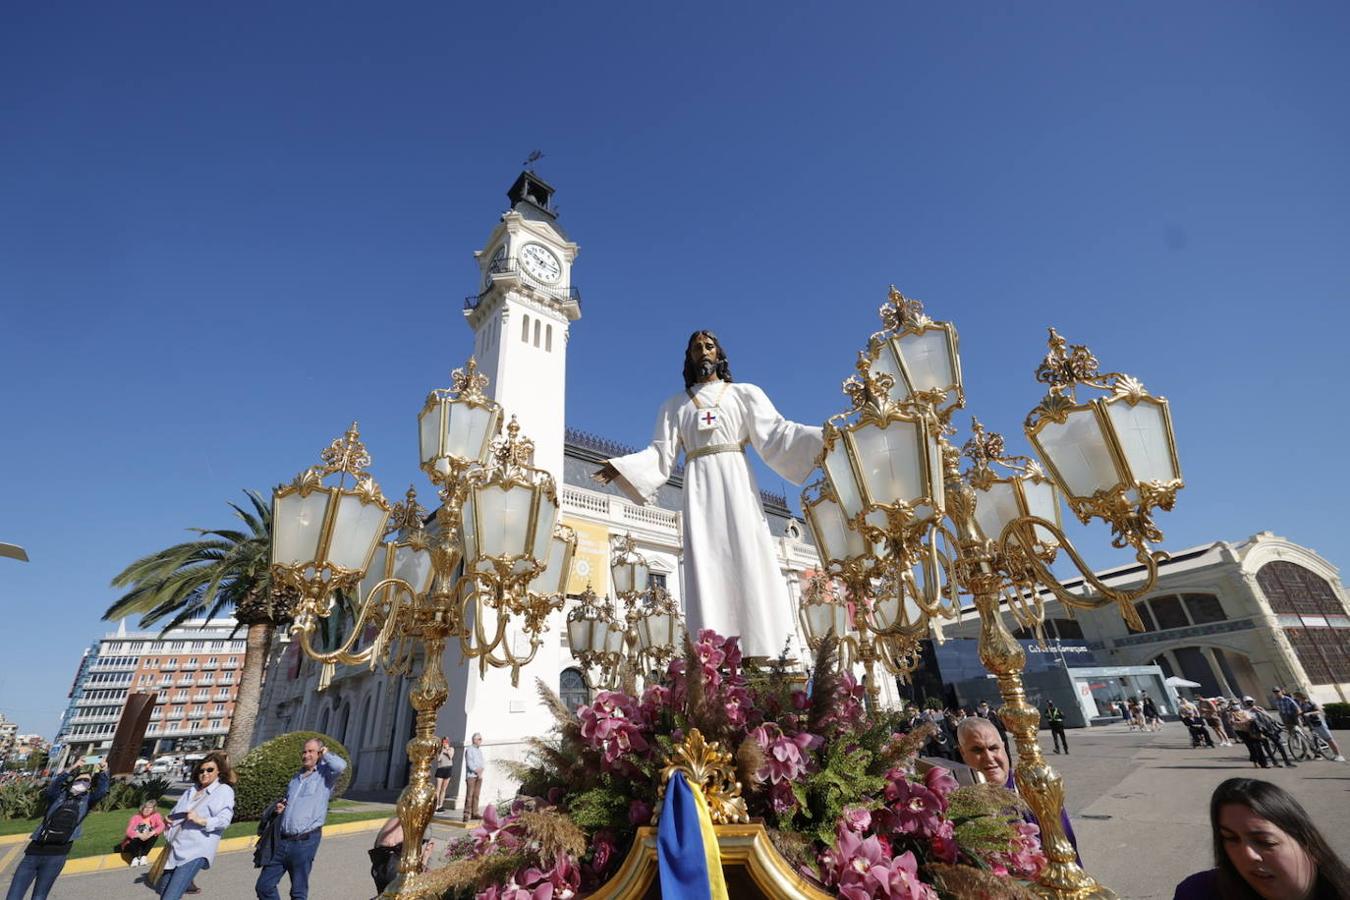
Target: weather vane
534 157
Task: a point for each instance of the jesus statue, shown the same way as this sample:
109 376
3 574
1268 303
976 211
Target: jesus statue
733 582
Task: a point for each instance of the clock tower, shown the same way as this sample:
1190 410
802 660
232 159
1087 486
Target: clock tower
520 315
522 312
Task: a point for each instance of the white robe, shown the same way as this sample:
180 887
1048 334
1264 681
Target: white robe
733 582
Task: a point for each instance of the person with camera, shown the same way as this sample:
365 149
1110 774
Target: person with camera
69 798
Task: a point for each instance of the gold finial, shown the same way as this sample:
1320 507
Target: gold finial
1066 365
468 383
901 312
407 516
346 454
510 450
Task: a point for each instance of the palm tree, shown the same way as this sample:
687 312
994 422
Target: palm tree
224 570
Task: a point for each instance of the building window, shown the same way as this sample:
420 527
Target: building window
656 580
548 338
1204 608
1169 612
536 332
572 689
525 329
1312 617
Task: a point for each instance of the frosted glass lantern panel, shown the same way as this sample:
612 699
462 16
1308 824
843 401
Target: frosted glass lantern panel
641 576
928 358
657 630
840 472
578 634
414 567
429 433
891 460
467 430
503 519
545 519
886 611
1142 432
357 528
820 618
1042 502
996 507
885 364
553 578
613 640
297 522
833 536
376 572
623 578
1079 451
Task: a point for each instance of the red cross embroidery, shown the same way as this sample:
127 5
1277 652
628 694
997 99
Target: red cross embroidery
709 418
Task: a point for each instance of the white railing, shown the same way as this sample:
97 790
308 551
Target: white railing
617 509
585 501
659 518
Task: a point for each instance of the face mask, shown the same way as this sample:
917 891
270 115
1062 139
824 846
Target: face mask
79 787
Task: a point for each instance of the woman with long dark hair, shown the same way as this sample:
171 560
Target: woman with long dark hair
1265 846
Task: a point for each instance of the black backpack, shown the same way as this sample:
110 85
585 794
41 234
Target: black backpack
61 822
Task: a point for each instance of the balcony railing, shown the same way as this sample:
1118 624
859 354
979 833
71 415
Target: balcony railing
509 266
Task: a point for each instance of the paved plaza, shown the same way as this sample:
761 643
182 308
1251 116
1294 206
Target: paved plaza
1139 804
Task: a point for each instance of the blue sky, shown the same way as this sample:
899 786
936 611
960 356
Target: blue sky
225 233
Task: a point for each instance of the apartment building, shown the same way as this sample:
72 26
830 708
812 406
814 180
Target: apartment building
194 669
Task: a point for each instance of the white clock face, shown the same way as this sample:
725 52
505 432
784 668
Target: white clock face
540 263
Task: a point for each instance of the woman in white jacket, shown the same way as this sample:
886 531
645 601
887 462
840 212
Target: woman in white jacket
198 820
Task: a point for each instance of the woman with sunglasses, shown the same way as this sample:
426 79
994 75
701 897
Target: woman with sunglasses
196 824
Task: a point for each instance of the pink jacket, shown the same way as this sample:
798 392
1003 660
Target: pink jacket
155 821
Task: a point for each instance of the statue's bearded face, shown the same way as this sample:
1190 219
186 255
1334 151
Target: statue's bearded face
704 354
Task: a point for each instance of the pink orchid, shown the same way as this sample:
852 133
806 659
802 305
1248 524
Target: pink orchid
856 818
914 808
941 782
943 842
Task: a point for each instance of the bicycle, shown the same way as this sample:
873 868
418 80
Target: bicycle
1304 745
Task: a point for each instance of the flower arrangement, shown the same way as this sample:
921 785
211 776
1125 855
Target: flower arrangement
837 790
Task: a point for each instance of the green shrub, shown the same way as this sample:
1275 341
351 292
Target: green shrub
269 767
21 799
1338 714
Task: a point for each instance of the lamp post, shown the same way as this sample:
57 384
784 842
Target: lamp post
898 518
624 642
489 570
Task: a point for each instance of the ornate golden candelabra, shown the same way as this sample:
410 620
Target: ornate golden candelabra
488 572
623 644
908 532
858 627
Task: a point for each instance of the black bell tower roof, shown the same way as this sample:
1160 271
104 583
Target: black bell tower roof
531 194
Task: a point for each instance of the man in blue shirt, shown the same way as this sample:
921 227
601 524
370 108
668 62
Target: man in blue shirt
473 777
302 816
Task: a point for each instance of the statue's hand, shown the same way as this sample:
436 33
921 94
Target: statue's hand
606 474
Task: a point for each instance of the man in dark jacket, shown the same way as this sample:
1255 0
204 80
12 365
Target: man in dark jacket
69 797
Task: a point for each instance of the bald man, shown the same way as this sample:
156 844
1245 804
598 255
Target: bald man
982 749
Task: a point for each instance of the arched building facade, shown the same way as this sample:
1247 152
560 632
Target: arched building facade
1238 618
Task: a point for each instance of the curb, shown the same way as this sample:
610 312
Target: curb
87 864
13 839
